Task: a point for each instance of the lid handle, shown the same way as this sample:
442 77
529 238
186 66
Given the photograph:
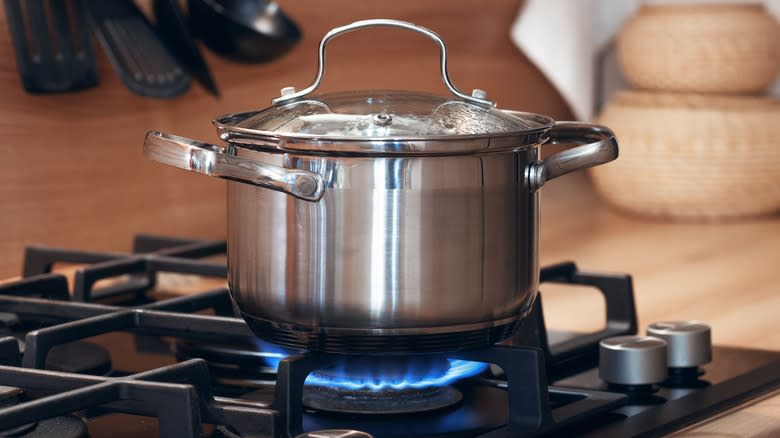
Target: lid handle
290 95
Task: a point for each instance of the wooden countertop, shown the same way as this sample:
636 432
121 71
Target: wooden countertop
73 175
725 274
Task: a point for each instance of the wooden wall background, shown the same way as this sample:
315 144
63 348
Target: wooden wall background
71 169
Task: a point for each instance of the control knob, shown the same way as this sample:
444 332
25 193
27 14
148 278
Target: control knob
632 360
689 343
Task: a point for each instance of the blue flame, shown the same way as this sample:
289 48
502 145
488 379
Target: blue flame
410 379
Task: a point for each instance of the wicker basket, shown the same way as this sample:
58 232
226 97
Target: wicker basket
693 156
706 48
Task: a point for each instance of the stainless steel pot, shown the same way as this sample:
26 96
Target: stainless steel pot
396 221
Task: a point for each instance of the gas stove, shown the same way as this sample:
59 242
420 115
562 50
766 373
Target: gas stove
111 355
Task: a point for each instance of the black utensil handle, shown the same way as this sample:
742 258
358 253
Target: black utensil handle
175 33
135 51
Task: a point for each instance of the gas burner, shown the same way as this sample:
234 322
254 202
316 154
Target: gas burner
383 402
249 366
393 373
79 357
387 385
67 426
73 357
10 396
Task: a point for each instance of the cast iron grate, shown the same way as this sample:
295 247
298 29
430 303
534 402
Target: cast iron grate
151 254
180 395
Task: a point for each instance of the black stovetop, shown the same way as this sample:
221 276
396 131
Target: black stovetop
120 360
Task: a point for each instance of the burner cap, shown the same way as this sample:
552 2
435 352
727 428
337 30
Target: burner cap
79 357
8 320
335 433
384 402
10 396
67 426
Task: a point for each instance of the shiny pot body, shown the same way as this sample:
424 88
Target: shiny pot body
440 251
384 221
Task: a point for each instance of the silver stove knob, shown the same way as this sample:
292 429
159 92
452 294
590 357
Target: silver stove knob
632 360
335 433
689 343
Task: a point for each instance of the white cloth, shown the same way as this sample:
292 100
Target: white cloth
564 37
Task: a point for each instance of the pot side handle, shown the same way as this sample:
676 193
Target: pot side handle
212 160
601 147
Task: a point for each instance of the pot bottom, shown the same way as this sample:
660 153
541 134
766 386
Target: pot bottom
352 341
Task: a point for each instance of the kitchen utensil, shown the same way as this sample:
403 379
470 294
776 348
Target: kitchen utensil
714 48
396 221
717 158
243 30
136 52
53 45
173 28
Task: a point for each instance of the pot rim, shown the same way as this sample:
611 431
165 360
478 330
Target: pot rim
381 146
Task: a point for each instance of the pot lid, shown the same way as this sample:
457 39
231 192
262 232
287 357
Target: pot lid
383 121
381 115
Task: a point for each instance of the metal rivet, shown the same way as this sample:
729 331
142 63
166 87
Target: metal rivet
287 91
382 119
479 94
